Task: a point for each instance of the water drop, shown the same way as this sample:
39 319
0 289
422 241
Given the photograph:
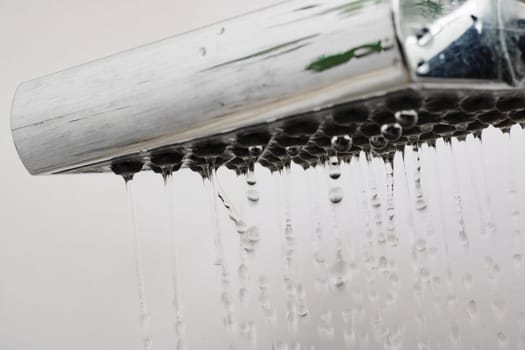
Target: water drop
252 194
418 289
378 142
455 336
202 51
148 343
227 300
335 194
421 204
517 259
472 310
394 280
467 281
382 264
326 328
392 132
407 118
340 275
350 337
302 309
503 341
498 306
341 143
241 227
421 245
334 172
250 178
243 272
181 345
424 275
251 238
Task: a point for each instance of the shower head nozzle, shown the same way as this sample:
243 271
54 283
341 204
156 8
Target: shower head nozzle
295 82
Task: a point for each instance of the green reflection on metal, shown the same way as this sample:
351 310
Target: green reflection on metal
327 62
350 7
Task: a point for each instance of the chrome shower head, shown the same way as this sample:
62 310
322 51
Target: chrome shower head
296 82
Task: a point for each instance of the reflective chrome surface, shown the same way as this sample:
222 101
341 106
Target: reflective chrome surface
469 39
293 58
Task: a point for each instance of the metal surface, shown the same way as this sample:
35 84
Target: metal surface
295 58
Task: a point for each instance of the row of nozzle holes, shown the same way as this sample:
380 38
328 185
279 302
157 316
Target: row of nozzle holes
381 126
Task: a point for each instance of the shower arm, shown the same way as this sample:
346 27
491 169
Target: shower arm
213 92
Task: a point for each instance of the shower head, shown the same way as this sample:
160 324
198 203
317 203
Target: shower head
296 82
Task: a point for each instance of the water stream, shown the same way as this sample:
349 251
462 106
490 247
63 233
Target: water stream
420 250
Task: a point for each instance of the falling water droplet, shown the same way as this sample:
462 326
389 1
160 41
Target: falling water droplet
455 336
472 310
335 194
243 272
503 341
382 264
421 245
467 281
227 300
326 328
202 51
498 306
241 227
394 280
252 194
392 132
517 259
181 345
340 275
251 238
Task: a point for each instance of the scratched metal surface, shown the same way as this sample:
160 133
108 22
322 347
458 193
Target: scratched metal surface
253 68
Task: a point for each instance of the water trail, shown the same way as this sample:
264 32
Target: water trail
289 253
252 193
215 221
414 290
392 237
226 298
144 316
421 203
179 326
340 275
445 150
463 237
480 189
